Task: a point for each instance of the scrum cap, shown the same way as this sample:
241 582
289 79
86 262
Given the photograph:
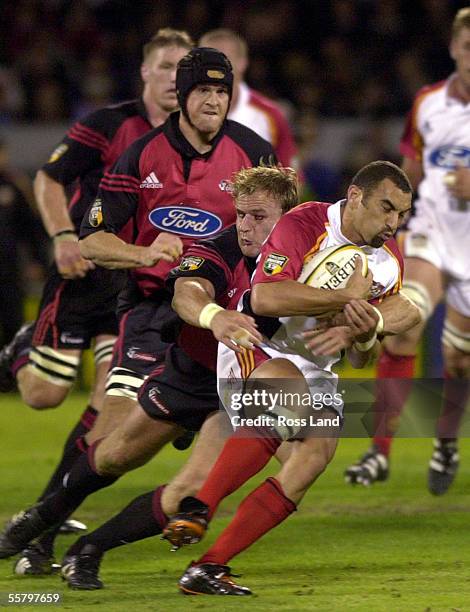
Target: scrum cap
200 66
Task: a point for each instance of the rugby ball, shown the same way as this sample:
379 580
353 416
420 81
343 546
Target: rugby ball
332 268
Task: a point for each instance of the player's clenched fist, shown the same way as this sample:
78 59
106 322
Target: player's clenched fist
165 246
359 286
69 261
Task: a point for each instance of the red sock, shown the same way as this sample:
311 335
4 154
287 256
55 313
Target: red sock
456 394
263 509
240 459
392 391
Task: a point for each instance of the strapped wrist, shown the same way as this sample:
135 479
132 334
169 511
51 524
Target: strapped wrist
380 323
65 235
208 313
363 347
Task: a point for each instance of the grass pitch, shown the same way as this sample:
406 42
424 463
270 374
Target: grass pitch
392 547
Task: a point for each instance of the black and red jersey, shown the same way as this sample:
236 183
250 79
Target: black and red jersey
165 185
92 146
221 262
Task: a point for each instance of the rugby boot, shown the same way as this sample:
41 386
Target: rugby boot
371 467
35 561
189 525
210 579
80 571
10 352
72 527
443 466
20 530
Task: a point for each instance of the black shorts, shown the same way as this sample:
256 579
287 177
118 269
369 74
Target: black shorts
73 312
140 346
180 390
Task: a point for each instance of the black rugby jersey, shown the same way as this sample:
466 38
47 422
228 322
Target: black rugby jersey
165 185
91 146
221 261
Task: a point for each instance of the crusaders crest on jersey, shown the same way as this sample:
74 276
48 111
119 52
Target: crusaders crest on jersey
191 262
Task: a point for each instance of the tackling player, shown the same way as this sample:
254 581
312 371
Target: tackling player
436 149
188 161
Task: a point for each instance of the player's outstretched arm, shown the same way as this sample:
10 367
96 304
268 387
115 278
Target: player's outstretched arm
194 302
108 250
52 204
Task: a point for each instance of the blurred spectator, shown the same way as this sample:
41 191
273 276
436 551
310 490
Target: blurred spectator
322 181
11 96
249 107
19 227
346 57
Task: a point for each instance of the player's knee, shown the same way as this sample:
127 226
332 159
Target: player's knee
457 364
40 395
111 462
48 377
316 461
115 458
456 351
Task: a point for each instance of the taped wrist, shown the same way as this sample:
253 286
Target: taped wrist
207 314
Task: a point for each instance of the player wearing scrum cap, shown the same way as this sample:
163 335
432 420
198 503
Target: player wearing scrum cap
436 150
171 184
377 203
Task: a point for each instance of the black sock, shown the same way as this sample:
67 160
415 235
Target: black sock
47 540
136 522
71 451
81 481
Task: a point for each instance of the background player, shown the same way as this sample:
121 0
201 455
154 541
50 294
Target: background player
248 106
436 149
79 299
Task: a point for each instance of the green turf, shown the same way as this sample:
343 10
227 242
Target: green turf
392 547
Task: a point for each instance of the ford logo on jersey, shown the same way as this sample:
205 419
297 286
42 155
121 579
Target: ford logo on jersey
450 157
190 222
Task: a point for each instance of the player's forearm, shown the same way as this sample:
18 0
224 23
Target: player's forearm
190 297
290 298
399 314
109 251
52 204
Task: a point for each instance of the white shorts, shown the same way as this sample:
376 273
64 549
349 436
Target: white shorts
234 368
426 240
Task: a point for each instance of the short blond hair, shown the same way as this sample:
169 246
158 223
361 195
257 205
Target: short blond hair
210 39
280 183
461 21
166 37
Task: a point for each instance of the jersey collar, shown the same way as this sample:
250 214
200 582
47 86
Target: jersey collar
178 141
